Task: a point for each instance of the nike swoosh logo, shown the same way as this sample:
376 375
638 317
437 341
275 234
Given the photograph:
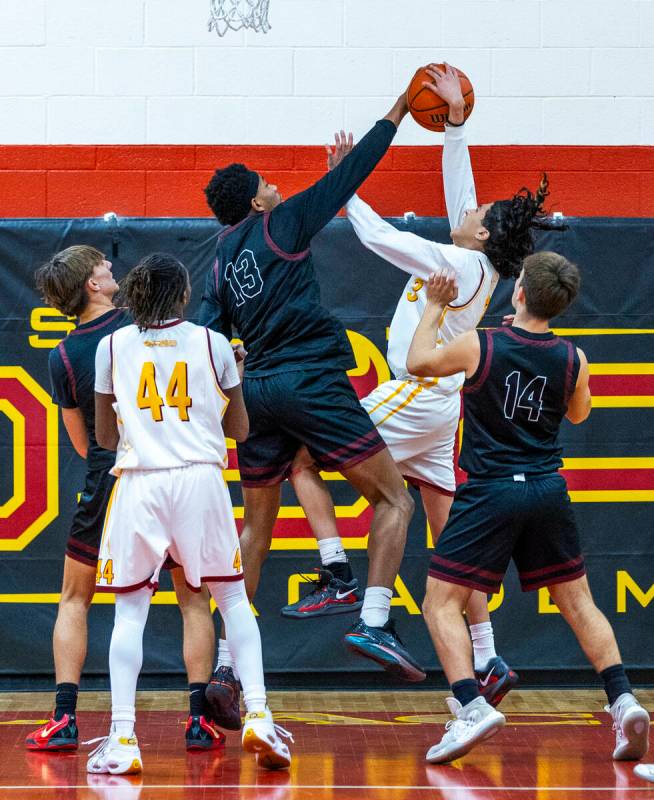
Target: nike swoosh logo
484 682
47 731
341 595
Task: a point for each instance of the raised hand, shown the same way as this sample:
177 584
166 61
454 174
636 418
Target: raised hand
446 84
442 288
342 146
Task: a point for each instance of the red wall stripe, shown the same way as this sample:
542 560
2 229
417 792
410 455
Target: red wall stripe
162 180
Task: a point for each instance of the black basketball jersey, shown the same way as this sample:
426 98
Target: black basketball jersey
72 374
515 401
263 282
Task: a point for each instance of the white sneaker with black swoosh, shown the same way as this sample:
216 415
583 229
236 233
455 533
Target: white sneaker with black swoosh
472 724
329 595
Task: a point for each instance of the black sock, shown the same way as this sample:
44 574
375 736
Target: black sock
616 682
465 691
341 570
65 700
196 699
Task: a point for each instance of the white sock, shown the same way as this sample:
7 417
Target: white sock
244 640
376 606
483 643
123 727
126 656
331 550
225 657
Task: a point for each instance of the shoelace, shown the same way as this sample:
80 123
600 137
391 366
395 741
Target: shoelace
283 733
456 724
316 583
102 739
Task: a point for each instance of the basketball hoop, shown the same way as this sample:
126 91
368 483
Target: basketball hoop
236 14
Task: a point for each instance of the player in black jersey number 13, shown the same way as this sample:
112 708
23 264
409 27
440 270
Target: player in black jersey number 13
296 389
520 383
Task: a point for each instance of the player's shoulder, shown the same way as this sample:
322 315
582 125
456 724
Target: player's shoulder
57 355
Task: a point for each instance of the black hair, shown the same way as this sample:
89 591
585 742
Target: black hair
155 289
230 191
511 223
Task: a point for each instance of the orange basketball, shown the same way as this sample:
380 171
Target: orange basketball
428 109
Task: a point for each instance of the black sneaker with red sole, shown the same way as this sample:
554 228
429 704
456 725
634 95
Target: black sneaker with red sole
496 680
329 596
223 696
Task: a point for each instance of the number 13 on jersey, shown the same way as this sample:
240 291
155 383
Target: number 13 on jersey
177 396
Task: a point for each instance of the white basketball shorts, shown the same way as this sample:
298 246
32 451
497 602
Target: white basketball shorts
184 514
418 424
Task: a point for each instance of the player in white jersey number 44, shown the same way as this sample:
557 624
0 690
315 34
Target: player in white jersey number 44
167 393
418 417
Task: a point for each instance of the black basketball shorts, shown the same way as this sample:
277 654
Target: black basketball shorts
530 520
316 408
88 522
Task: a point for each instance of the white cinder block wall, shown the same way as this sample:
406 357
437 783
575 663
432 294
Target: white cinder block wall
148 71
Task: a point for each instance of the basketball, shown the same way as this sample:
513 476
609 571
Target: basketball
428 109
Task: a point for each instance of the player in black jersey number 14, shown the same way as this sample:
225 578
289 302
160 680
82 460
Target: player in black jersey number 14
521 381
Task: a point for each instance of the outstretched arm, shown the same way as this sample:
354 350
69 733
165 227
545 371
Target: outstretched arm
296 221
425 358
408 251
458 181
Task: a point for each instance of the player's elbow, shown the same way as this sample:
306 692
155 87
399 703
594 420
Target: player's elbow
419 366
107 440
238 428
578 414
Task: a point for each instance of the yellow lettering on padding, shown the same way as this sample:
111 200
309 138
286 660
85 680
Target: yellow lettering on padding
545 604
626 583
404 598
59 324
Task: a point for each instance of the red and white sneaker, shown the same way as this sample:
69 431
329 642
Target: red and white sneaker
203 734
55 735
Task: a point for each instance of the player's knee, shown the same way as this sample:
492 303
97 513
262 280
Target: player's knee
78 593
573 598
75 602
399 500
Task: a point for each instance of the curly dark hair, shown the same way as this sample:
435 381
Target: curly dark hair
155 289
229 193
511 223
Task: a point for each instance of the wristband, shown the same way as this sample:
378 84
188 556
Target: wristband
456 124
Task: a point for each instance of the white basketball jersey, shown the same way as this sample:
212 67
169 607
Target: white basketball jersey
475 275
457 318
169 400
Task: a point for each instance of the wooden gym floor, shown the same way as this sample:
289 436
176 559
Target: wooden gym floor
348 746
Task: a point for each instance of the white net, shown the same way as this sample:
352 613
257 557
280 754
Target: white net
236 14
